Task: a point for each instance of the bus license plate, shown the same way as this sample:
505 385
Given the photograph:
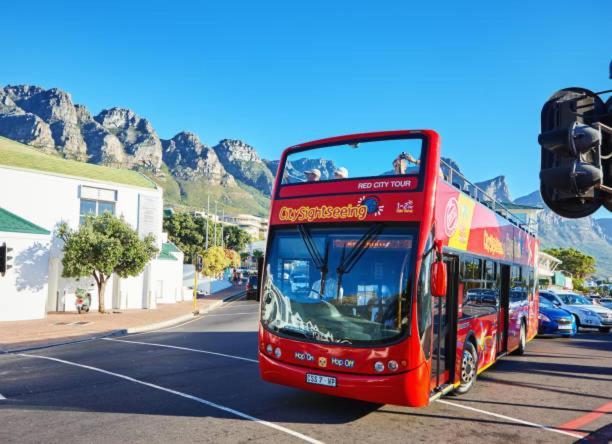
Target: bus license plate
320 380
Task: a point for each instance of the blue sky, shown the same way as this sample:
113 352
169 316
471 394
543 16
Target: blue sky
278 73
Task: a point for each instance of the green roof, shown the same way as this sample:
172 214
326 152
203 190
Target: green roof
15 154
166 252
12 223
171 247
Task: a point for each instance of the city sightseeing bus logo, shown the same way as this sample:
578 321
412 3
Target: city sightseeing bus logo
451 216
324 212
372 203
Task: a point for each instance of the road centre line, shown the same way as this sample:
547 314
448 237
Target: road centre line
509 418
195 350
183 395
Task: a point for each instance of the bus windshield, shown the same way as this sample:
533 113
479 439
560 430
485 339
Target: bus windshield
348 285
350 161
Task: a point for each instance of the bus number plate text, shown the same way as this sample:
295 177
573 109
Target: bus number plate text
320 380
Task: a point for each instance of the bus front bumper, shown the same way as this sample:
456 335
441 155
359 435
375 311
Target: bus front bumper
410 388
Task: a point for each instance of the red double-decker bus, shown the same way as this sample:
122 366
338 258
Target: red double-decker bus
388 277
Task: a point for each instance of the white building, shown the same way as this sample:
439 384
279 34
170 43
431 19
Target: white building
42 190
257 227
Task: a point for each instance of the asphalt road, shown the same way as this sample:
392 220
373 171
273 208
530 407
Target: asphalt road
199 382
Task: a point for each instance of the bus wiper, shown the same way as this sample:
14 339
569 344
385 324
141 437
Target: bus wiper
293 331
320 262
347 263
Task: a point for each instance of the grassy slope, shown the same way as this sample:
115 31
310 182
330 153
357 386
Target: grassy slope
172 190
242 199
15 154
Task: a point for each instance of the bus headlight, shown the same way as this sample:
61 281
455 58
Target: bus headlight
277 352
379 366
392 365
269 348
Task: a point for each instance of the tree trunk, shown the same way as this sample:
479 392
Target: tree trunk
101 287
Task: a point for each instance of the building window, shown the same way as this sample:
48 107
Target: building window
96 201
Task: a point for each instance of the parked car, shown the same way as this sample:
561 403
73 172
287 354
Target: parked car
252 287
586 313
555 321
299 282
606 302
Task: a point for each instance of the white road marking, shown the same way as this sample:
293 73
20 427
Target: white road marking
509 418
183 395
183 348
2 398
196 318
231 314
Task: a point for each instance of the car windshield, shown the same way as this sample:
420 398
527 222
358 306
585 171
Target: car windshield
356 283
350 161
574 299
546 303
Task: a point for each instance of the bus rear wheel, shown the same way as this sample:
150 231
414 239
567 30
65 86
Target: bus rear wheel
469 369
522 340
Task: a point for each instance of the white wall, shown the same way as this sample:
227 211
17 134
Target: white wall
167 280
23 289
47 199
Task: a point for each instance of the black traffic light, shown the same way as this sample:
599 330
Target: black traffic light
5 259
576 164
199 263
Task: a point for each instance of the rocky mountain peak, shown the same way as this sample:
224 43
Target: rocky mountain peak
236 150
496 188
43 112
140 142
242 161
189 159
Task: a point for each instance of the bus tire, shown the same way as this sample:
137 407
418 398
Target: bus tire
469 369
522 340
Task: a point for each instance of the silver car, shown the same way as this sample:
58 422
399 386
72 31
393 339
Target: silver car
586 313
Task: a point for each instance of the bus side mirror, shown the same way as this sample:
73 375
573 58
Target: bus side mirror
438 279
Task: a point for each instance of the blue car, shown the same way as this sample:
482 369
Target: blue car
555 321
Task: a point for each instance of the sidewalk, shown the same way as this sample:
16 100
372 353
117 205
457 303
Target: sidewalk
58 328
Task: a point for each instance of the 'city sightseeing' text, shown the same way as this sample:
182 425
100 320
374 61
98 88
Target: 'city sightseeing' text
324 212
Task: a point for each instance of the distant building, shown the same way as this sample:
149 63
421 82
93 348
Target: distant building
39 192
526 213
257 227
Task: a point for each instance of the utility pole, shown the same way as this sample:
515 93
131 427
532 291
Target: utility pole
222 221
214 223
207 217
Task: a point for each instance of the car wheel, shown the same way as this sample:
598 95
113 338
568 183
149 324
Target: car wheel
577 319
522 341
604 329
469 369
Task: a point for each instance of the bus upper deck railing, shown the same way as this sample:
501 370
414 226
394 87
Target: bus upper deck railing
459 181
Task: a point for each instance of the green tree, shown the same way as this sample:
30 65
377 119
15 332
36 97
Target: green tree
235 238
257 254
187 233
104 245
215 261
575 262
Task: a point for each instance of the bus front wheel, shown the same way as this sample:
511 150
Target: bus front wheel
469 369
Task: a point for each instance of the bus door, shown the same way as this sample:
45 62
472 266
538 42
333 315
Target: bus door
504 309
445 326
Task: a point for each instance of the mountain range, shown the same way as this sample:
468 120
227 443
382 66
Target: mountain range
230 172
